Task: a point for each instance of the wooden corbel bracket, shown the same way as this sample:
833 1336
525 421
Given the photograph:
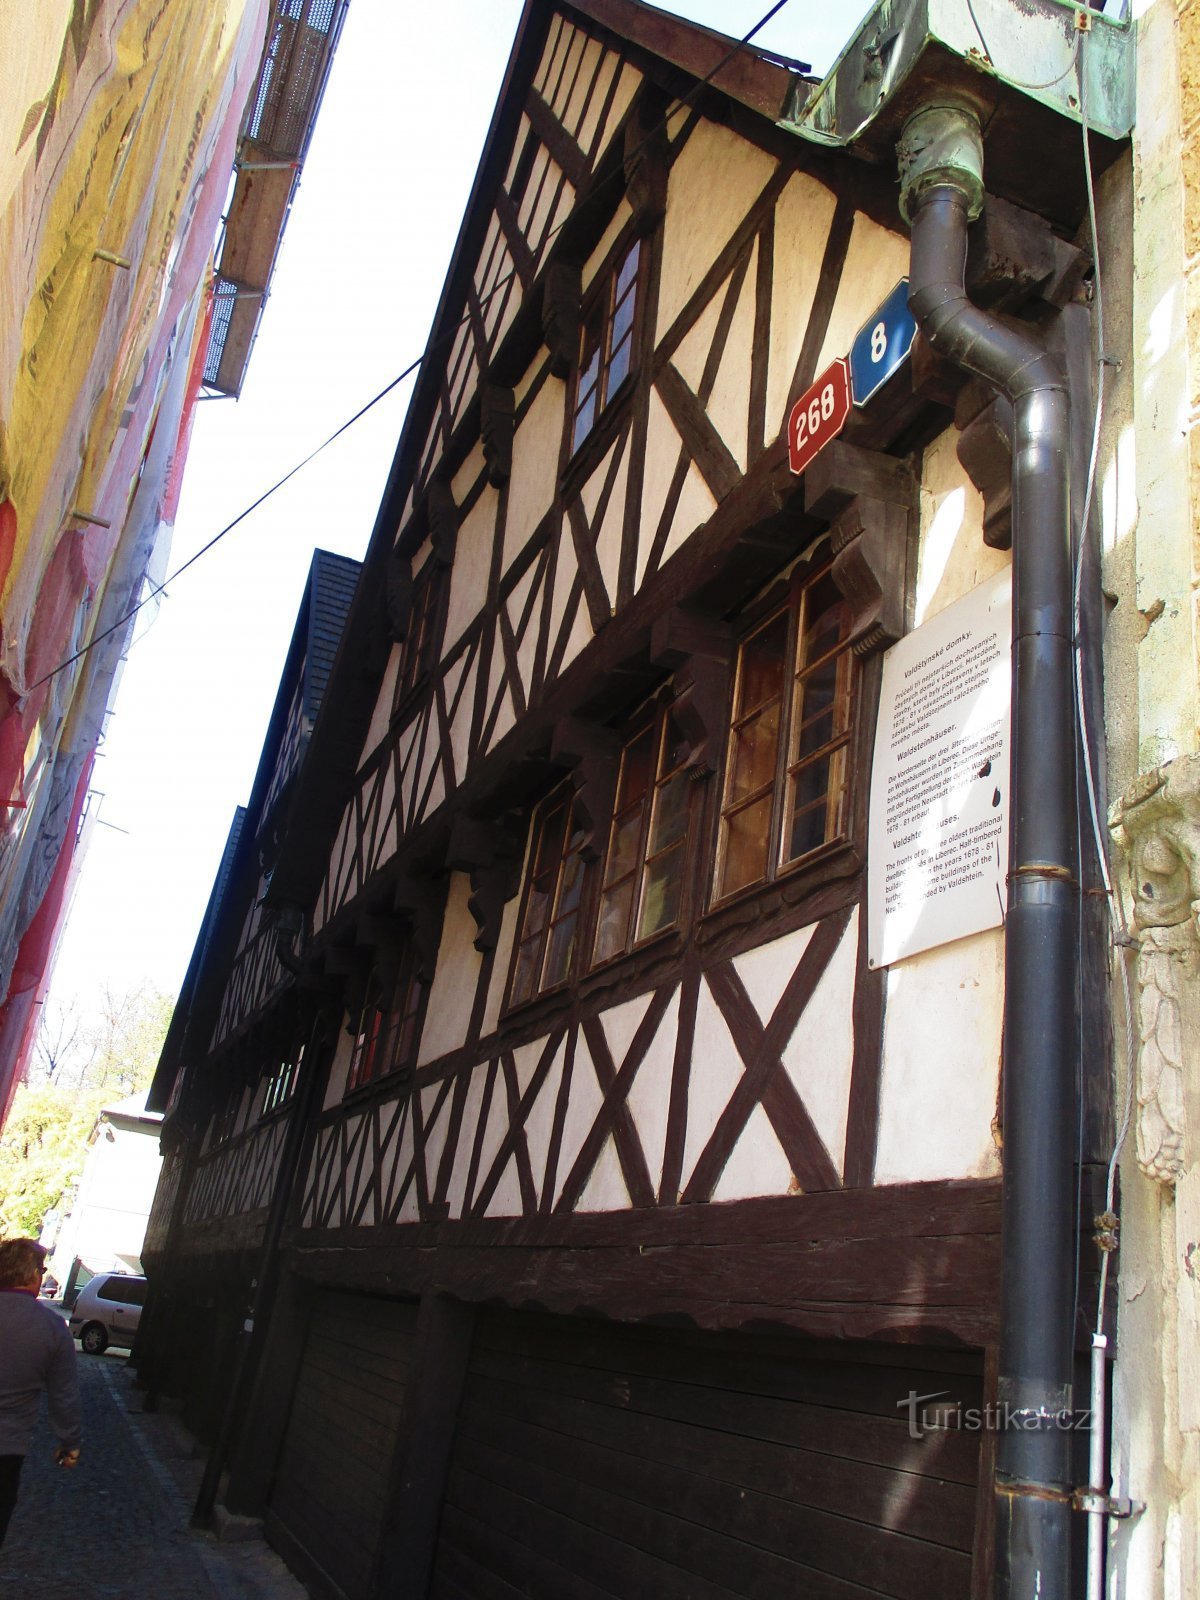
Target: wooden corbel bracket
867 499
985 422
699 650
497 414
442 510
562 295
421 902
645 158
593 754
490 852
870 542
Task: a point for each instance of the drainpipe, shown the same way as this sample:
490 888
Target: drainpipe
941 164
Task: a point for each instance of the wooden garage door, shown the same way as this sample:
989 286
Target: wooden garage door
327 1506
594 1461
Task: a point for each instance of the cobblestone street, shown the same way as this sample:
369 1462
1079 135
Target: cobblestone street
116 1528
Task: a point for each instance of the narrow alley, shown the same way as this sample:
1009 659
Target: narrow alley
116 1528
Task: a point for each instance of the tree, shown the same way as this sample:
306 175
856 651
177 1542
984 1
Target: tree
81 1067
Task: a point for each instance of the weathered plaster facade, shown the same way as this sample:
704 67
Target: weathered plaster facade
1151 499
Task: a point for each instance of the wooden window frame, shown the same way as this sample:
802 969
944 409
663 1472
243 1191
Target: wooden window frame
423 635
568 872
598 314
796 671
387 1029
281 1083
656 724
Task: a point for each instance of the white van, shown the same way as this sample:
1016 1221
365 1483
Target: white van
108 1311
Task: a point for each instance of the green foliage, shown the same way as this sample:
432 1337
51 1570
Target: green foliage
82 1065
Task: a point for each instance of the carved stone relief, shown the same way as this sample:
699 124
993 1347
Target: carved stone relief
1157 827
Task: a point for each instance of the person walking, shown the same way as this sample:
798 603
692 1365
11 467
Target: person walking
36 1353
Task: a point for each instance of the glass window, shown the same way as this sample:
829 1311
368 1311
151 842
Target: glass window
606 342
123 1290
786 767
545 949
388 1027
642 887
419 643
282 1082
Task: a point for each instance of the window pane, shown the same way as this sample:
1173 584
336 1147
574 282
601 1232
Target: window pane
612 932
584 419
809 808
661 892
623 847
760 665
618 368
550 840
753 748
635 769
523 978
747 836
571 885
629 268
670 813
622 323
558 955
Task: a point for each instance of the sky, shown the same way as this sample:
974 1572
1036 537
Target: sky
372 228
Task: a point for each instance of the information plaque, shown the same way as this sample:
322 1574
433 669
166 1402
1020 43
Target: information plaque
938 846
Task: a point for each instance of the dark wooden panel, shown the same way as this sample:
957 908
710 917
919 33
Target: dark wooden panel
914 1263
671 1462
330 1492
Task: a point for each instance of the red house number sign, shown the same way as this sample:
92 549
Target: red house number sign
819 415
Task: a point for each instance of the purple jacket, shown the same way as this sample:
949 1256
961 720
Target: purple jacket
36 1353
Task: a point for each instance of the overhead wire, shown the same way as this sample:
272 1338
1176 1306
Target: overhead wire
161 588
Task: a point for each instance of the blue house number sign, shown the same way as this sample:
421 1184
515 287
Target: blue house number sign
881 344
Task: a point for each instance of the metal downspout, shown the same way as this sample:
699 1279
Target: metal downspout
941 181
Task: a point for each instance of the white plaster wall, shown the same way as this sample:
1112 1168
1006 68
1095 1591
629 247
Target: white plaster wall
941 1063
875 262
802 220
713 185
335 1089
534 467
448 1014
952 557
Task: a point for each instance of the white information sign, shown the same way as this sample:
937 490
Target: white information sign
938 845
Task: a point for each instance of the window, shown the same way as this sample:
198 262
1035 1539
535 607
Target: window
786 767
642 887
419 642
606 342
282 1082
388 1027
546 942
125 1291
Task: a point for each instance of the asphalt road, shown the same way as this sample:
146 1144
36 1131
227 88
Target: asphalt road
116 1527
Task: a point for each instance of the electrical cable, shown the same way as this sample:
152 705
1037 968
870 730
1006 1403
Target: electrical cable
1008 76
1116 909
502 283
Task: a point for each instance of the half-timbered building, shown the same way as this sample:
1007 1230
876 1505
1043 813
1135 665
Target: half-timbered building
576 1207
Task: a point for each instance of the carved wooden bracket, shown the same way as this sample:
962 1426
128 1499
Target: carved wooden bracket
442 510
421 902
867 498
985 422
490 851
699 650
870 542
593 753
497 413
562 295
646 161
1157 828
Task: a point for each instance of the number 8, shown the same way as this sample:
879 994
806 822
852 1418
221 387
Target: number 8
878 341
